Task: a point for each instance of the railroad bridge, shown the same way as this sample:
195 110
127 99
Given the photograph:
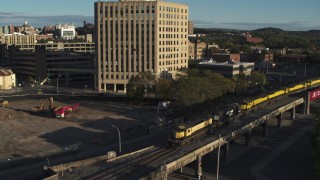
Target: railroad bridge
242 126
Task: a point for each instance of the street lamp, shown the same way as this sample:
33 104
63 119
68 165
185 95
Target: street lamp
119 137
58 83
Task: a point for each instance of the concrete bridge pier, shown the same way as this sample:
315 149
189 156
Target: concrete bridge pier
181 170
293 113
265 129
279 117
307 104
248 136
305 107
226 151
198 167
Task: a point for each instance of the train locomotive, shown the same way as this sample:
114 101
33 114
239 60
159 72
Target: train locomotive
201 125
193 129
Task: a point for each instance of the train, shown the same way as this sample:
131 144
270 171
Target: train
247 105
192 129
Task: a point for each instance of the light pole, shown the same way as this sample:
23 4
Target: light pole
119 137
58 83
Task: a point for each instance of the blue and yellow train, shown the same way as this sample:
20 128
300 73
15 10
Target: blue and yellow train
189 131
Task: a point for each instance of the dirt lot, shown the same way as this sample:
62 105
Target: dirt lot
24 133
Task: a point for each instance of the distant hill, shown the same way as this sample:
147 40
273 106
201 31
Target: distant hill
268 29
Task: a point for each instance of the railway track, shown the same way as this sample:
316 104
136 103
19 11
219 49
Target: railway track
123 170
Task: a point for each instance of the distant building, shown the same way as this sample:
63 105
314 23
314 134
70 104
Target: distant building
11 29
292 59
213 45
25 29
225 57
190 28
72 47
18 38
227 69
249 39
5 30
65 31
43 63
44 36
191 50
254 40
7 79
200 48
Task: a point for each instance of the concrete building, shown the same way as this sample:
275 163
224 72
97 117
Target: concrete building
225 57
190 28
71 47
43 63
227 69
18 38
7 79
134 36
200 48
191 49
66 31
5 29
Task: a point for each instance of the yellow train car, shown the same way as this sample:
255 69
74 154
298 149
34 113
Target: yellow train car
260 100
189 128
246 105
314 82
277 94
297 87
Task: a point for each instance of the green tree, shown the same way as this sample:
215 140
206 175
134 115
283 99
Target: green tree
141 84
135 89
200 86
164 89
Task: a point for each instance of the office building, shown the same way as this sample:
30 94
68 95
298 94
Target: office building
227 69
190 28
134 36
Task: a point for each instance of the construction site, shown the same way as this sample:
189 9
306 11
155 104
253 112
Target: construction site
42 125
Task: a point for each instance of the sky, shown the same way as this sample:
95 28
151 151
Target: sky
230 14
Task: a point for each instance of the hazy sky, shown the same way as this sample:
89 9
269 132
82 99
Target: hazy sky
237 14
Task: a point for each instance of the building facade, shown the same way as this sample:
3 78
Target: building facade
228 70
18 38
7 79
190 28
226 57
191 50
43 63
199 50
66 31
134 36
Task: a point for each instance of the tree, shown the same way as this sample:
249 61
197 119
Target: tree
164 89
200 86
135 89
140 85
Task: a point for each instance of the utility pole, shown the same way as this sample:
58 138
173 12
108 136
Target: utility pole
119 137
218 159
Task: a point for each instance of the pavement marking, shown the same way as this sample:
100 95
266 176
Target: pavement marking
256 170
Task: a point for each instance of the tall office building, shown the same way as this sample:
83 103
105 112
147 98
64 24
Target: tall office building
134 36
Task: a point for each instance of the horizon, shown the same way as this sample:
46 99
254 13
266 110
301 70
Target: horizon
216 14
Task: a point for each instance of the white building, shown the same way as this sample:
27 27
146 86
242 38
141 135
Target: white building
65 31
7 79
